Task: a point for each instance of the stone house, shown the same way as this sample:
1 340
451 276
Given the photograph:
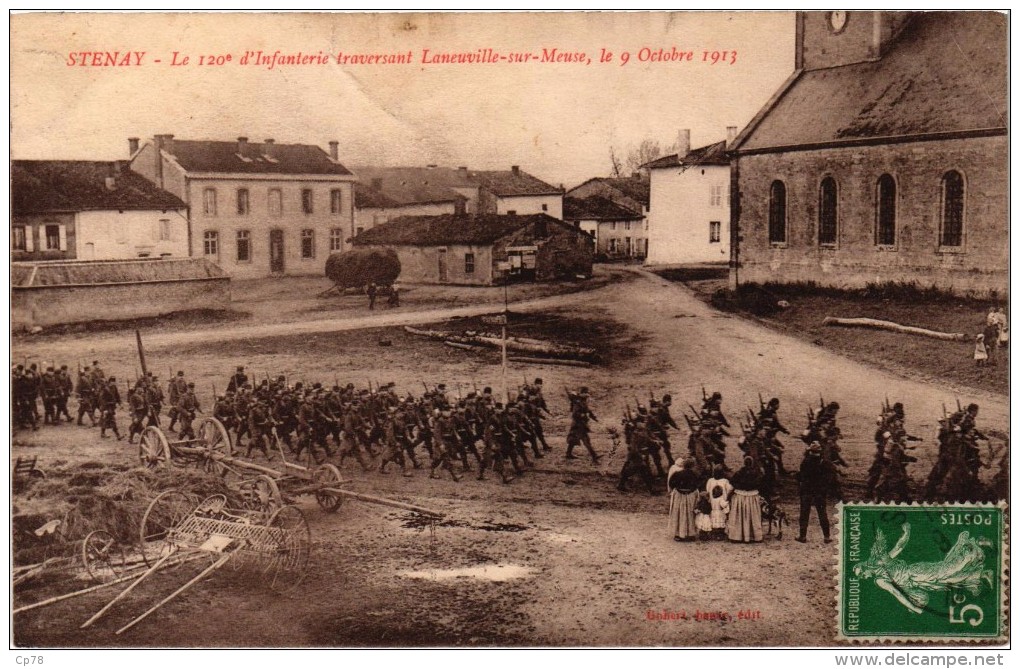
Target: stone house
483 249
619 231
255 209
882 158
92 210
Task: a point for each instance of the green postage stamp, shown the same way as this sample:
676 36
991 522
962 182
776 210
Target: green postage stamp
922 572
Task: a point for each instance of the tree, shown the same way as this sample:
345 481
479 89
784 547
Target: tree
645 152
358 267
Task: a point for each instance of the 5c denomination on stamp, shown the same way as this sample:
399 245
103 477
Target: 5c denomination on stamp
922 572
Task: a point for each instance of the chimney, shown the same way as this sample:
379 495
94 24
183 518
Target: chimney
132 146
163 143
242 146
268 146
376 183
334 150
683 143
731 136
516 169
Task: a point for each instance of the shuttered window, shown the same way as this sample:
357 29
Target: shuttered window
777 213
885 224
827 212
952 209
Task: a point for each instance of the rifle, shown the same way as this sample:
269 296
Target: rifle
704 395
693 410
425 387
651 398
885 408
958 407
628 414
821 402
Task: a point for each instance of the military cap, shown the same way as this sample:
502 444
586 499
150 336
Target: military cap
112 379
583 391
538 381
240 368
191 384
178 373
774 402
64 367
717 395
487 390
95 362
441 386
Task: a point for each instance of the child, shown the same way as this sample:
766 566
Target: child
720 504
980 351
703 516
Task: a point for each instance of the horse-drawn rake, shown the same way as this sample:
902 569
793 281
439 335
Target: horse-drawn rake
211 451
272 543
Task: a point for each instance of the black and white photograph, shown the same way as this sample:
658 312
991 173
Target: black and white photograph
564 329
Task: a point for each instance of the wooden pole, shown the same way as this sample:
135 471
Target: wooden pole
372 499
76 593
141 353
205 572
151 570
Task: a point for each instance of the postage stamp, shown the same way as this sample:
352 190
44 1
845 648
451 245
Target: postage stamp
922 572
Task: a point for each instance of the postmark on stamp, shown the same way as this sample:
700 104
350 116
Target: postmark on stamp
922 572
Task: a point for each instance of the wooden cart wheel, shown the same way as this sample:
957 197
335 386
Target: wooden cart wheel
154 449
293 538
261 494
328 475
102 556
164 513
214 439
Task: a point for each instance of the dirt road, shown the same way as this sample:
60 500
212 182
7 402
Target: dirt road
558 557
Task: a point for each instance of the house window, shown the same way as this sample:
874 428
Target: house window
306 200
164 230
336 239
777 213
360 229
511 212
612 226
469 263
715 196
209 201
885 225
242 202
211 243
53 238
19 238
275 202
626 225
714 232
545 207
308 243
613 244
827 212
336 201
952 209
243 246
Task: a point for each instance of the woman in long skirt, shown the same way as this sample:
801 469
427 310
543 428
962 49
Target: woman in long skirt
744 521
683 483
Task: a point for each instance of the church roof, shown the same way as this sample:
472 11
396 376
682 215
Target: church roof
945 72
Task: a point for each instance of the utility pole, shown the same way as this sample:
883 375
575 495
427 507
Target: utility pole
506 307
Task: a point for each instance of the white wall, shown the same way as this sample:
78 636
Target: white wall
531 204
680 212
130 234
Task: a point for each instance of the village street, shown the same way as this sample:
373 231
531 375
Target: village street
558 557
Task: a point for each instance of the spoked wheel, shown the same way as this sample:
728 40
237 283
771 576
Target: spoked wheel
154 449
288 562
164 513
214 439
329 476
102 556
262 494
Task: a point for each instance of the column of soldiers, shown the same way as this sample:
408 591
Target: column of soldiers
472 432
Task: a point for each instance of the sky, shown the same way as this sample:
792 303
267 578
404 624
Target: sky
557 120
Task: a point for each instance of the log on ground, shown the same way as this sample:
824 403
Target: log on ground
512 343
893 327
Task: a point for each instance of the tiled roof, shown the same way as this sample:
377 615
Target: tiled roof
945 72
400 186
596 208
475 229
713 154
503 183
44 186
507 183
210 156
635 188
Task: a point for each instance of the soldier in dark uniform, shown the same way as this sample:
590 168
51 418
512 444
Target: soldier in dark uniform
351 438
65 386
639 443
187 406
176 387
139 411
664 421
48 390
814 488
237 380
494 440
87 397
154 396
30 391
109 400
393 450
371 290
444 451
260 426
580 432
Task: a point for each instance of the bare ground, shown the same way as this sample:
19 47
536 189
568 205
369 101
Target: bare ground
595 561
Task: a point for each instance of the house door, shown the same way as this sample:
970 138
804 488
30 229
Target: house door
276 251
443 277
90 251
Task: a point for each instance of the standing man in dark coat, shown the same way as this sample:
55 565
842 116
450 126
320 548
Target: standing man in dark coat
814 489
371 290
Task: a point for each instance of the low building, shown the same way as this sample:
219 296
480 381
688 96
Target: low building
483 249
385 193
256 209
883 158
92 210
61 292
630 192
618 231
689 205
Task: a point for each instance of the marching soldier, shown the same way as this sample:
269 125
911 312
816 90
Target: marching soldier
139 411
237 380
109 400
187 405
65 386
580 432
87 397
639 447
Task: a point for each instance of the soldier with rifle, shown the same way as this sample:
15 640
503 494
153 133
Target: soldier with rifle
109 400
580 431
